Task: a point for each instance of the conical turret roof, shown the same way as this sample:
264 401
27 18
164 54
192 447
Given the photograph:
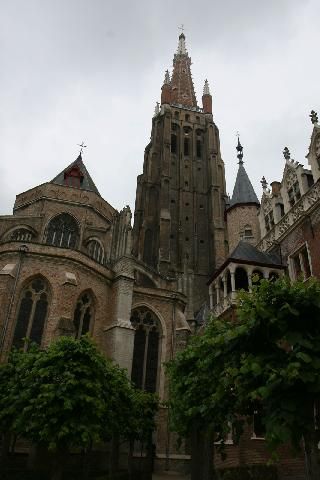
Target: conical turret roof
243 191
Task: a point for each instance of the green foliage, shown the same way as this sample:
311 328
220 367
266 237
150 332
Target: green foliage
249 472
269 356
70 395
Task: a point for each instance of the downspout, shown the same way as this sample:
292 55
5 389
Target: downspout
22 250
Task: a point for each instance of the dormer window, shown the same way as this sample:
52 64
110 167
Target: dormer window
73 177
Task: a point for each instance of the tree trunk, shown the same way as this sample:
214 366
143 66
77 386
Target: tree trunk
4 450
312 451
202 454
130 459
114 456
58 464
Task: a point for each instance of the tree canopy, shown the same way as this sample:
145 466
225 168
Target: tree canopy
269 356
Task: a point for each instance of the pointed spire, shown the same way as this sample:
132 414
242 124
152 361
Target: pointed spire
243 191
314 117
181 81
181 50
166 78
239 149
206 89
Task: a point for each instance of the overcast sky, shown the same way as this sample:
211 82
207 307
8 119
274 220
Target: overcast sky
92 70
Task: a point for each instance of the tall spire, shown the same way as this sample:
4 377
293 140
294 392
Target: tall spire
181 82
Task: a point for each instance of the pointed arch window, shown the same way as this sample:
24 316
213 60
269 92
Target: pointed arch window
63 231
32 313
83 315
146 349
96 251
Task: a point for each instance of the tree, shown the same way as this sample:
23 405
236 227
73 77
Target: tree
280 362
202 399
70 395
268 357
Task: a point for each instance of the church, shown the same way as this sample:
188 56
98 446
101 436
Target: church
71 264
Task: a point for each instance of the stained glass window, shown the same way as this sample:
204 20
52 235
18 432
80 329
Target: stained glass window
32 313
146 349
63 231
83 315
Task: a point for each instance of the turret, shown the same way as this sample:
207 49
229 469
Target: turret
242 213
166 90
206 98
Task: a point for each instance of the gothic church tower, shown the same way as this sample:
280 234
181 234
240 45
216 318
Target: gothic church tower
179 226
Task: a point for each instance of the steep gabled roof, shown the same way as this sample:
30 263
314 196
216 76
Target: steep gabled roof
86 183
243 191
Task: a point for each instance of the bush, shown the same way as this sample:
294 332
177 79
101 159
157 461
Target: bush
249 472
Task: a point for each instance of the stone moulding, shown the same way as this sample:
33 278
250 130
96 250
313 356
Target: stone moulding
301 208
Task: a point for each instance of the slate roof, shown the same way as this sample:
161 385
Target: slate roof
87 182
247 253
243 191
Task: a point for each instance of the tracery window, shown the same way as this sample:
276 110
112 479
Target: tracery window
32 313
22 234
146 349
269 220
96 251
63 231
83 315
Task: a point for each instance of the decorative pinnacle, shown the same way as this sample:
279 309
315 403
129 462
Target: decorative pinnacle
157 108
182 45
314 117
206 89
239 149
286 153
166 78
264 183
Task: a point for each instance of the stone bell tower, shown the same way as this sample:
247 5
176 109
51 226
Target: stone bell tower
179 226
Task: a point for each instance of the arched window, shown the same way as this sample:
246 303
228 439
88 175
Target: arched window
146 349
63 231
96 251
174 143
241 279
32 313
83 315
22 234
186 145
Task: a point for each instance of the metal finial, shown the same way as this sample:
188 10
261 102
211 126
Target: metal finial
314 117
82 146
264 183
286 153
239 149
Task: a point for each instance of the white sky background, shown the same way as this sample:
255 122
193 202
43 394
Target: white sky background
92 70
